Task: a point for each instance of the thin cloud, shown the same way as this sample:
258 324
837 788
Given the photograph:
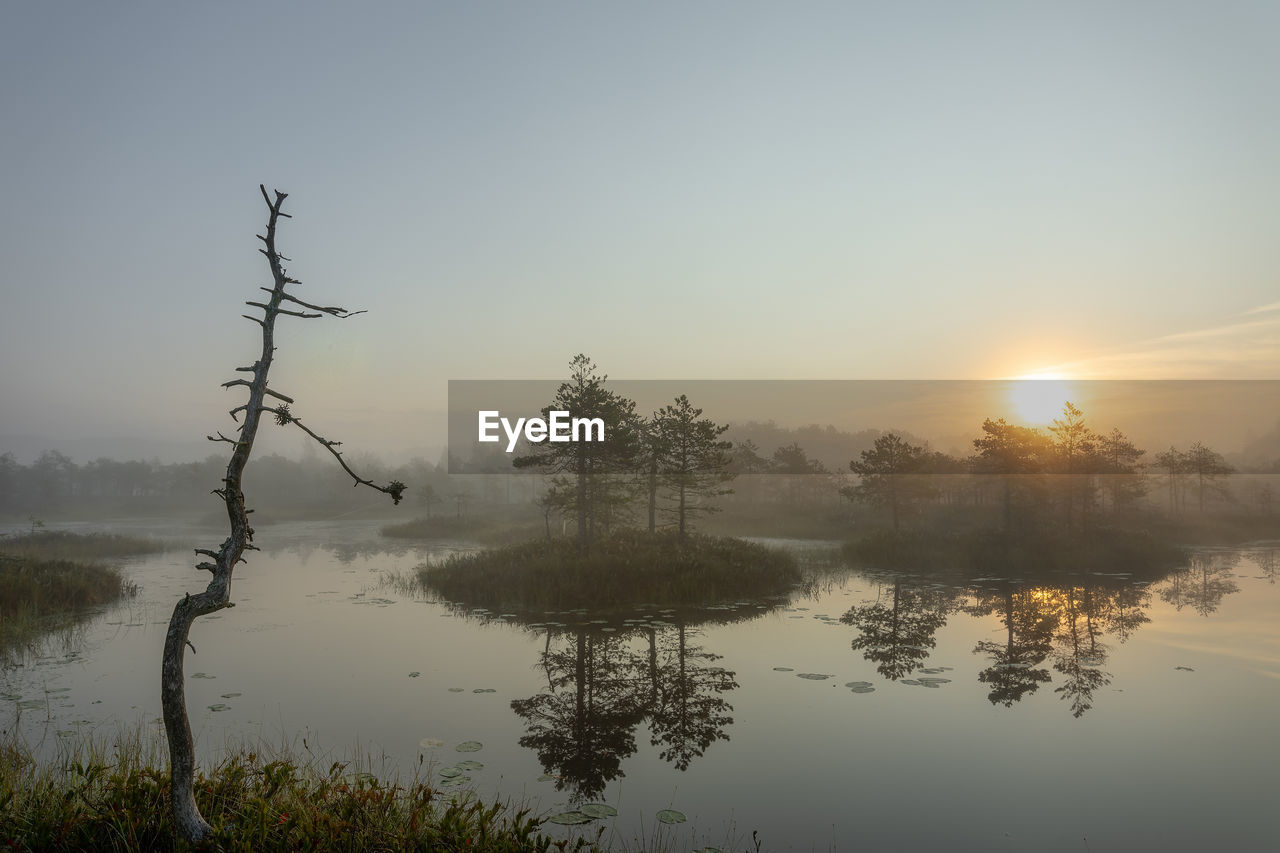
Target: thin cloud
1244 350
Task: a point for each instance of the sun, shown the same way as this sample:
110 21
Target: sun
1038 398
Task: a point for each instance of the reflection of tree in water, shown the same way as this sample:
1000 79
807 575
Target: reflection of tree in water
600 688
584 725
1015 663
1078 653
897 636
1267 563
1067 622
689 714
1204 584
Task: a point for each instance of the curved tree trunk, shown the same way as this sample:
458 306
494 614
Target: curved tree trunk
188 822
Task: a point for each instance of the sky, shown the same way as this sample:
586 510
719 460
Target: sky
810 190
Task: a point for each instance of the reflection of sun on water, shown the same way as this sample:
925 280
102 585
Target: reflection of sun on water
1038 398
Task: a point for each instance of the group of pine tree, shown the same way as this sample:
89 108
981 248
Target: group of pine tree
672 467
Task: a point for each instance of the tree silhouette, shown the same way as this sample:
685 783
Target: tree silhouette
583 725
1202 585
593 468
690 460
188 822
898 636
889 475
689 714
1015 669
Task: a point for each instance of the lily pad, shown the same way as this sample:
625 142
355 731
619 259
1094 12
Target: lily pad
202 675
469 765
570 818
671 816
430 743
783 669
449 772
867 689
858 684
812 676
598 810
219 706
230 695
1185 668
455 782
469 746
484 690
457 690
414 674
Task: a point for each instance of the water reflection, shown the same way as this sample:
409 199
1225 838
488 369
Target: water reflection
602 684
898 634
1059 628
1202 585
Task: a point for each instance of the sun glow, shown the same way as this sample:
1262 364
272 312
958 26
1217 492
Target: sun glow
1038 398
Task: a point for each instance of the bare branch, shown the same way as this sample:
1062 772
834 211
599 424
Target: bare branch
395 488
277 395
207 552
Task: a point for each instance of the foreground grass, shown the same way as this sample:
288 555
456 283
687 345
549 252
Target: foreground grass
38 596
95 799
619 571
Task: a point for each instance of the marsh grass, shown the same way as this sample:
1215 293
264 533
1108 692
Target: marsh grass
618 571
66 545
41 596
95 797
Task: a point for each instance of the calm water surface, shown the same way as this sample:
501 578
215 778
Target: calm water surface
1075 713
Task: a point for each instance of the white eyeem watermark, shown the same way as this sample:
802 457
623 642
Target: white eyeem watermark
558 427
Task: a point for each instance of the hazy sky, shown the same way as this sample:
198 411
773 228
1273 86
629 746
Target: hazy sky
694 189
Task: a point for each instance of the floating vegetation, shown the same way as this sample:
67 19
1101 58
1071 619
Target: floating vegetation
671 816
812 676
783 669
202 675
469 765
1185 668
457 690
570 818
911 681
414 674
484 690
430 743
469 746
228 695
219 706
863 688
449 772
933 680
598 810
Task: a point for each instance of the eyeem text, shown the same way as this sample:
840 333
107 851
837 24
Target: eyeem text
559 427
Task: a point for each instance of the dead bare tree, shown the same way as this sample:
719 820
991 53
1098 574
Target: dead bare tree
187 819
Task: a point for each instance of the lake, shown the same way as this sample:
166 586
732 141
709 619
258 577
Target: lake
867 711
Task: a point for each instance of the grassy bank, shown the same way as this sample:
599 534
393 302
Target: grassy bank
95 798
39 596
65 545
49 580
619 571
